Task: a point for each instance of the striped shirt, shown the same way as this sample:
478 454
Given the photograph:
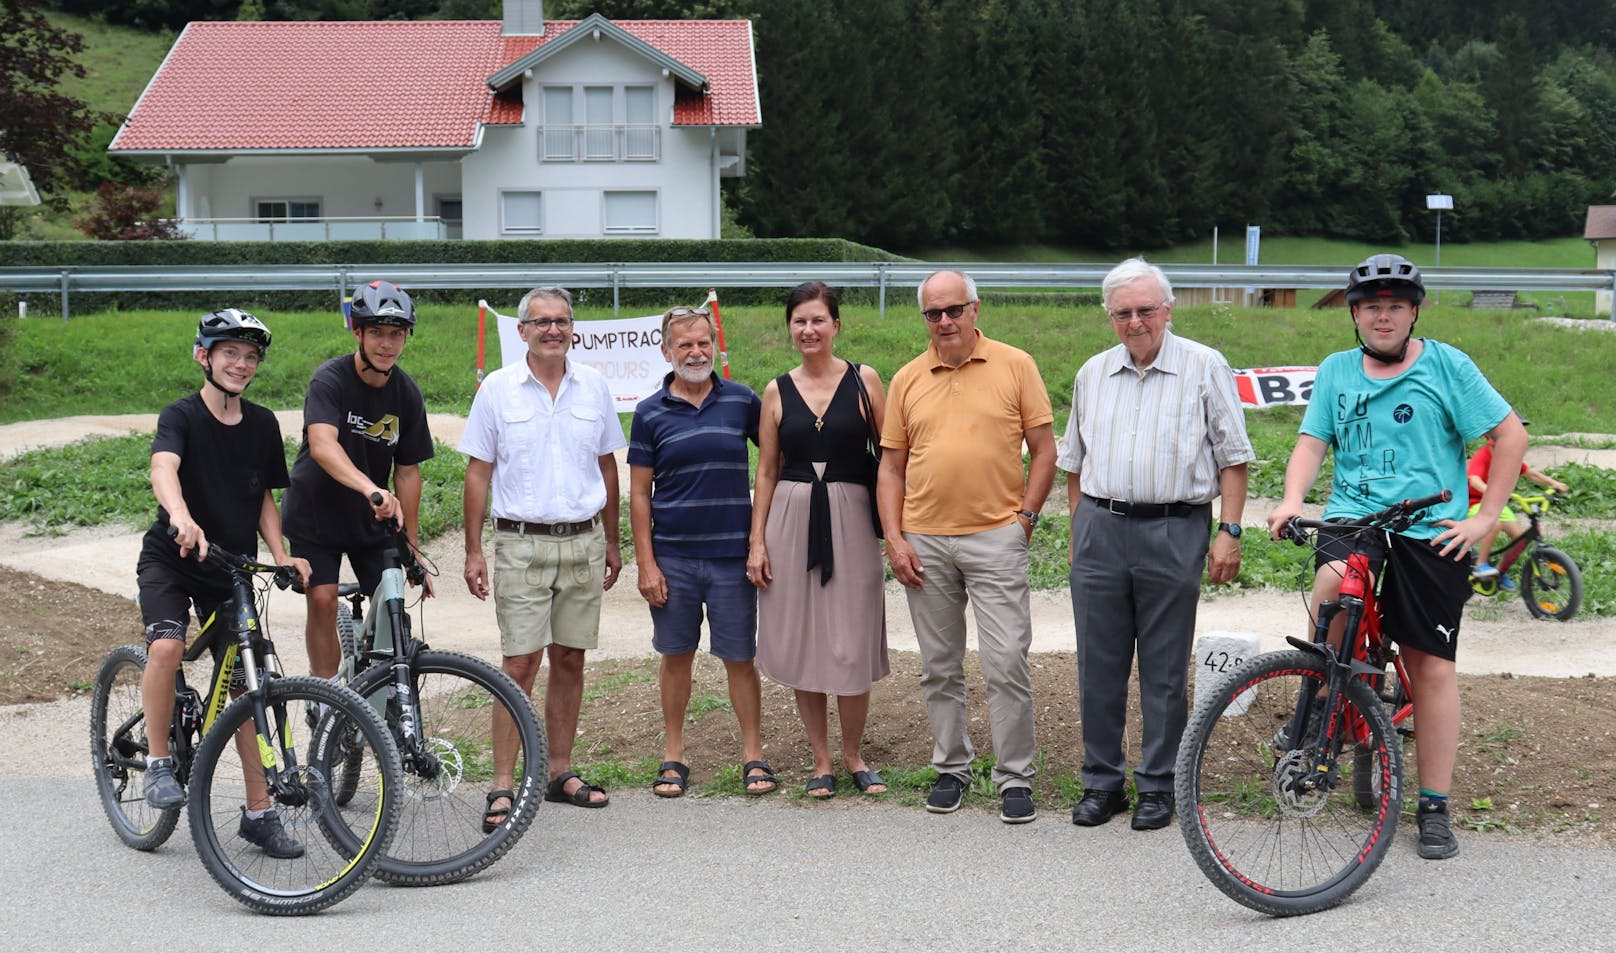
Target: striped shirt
1157 435
701 488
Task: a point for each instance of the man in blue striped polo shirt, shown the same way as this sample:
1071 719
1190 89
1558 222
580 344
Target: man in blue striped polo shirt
688 444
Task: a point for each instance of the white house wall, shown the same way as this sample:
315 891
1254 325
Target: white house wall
683 178
347 186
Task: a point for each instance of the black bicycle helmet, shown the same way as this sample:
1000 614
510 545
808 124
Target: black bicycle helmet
382 302
232 324
1385 276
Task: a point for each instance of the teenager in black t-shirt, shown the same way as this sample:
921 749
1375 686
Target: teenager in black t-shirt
214 461
363 422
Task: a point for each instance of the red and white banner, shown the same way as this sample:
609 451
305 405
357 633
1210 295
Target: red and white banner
1275 386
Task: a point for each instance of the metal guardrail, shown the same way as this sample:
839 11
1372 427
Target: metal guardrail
338 279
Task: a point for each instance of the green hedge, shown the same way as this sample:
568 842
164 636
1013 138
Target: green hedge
57 254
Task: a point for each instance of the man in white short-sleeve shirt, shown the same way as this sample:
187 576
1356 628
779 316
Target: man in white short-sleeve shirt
541 435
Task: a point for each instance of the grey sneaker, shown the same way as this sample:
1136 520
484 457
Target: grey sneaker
267 834
1436 834
1282 737
161 789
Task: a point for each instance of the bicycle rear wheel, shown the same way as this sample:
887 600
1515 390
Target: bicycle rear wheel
1551 584
449 773
271 879
118 750
1259 839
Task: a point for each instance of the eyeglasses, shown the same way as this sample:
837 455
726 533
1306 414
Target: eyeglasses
545 324
953 312
1128 314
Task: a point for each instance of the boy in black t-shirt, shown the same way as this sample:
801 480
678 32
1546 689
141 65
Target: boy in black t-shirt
363 422
214 461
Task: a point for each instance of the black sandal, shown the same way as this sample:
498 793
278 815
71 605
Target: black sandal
557 791
748 778
665 786
504 813
864 780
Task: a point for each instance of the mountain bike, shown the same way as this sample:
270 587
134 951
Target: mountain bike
1290 772
247 754
1550 581
444 711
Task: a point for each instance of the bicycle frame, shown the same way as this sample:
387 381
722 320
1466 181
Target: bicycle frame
1504 557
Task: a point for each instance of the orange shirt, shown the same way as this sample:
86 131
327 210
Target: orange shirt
963 429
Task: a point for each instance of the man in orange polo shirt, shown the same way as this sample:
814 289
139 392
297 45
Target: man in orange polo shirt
958 510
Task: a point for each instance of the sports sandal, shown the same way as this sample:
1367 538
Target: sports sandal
665 786
580 797
767 776
503 813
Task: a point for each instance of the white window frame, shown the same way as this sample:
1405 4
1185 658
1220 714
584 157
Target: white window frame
505 227
654 228
288 201
615 140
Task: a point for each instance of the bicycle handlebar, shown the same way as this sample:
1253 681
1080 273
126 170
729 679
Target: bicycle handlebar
413 570
239 565
1396 517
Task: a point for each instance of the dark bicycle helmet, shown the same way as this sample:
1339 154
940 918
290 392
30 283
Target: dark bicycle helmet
231 324
382 302
1385 276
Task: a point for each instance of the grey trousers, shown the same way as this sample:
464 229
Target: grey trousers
989 570
1135 584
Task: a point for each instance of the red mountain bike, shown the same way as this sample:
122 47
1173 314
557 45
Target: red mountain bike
1290 773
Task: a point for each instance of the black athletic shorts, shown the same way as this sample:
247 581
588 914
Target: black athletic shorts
1423 596
325 564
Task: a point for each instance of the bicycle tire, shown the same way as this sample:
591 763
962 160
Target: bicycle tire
117 719
1365 768
440 838
347 631
1551 584
329 868
1280 852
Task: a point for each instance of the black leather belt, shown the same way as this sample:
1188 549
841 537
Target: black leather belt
542 529
1144 510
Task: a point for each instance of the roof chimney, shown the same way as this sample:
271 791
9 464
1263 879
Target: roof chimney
523 18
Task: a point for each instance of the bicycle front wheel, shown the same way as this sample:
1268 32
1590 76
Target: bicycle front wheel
286 861
1551 584
118 751
1259 837
452 765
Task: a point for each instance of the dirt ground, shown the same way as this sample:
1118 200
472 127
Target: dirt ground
1538 755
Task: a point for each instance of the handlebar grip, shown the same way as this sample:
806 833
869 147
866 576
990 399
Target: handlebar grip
1293 531
375 499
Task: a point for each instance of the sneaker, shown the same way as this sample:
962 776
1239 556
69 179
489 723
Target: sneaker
1484 570
946 794
1282 737
267 834
1016 806
161 789
1506 584
1436 834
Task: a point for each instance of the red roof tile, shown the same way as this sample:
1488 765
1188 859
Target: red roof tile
363 86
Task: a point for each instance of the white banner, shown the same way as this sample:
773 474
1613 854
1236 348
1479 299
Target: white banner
1275 386
627 351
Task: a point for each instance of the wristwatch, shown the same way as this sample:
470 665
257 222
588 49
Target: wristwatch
1032 518
1233 529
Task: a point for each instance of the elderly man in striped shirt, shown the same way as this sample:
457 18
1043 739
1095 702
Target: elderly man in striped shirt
1156 432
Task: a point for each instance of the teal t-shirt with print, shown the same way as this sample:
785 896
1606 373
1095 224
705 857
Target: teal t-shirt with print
1402 437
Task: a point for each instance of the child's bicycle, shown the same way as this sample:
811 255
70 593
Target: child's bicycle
1290 773
1550 582
248 754
444 711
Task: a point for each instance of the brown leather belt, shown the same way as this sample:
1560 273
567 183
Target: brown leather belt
542 529
1144 510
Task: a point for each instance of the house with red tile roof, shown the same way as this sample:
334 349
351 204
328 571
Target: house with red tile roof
513 128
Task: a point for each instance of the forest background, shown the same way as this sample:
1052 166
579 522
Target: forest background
1119 124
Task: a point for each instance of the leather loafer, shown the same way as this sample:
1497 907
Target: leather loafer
1155 811
1097 807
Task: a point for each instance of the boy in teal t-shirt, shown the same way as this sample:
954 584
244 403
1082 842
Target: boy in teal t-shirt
1396 413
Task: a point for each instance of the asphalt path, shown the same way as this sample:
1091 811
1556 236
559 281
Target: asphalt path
735 874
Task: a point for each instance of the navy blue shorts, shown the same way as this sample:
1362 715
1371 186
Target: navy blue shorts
730 600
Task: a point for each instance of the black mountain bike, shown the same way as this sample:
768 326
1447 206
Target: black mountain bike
248 754
1290 774
444 711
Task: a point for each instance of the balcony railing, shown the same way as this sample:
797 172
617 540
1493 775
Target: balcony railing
620 142
398 228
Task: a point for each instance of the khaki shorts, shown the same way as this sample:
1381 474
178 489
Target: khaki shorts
548 589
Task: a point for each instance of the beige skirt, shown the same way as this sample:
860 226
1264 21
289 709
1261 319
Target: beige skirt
830 638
